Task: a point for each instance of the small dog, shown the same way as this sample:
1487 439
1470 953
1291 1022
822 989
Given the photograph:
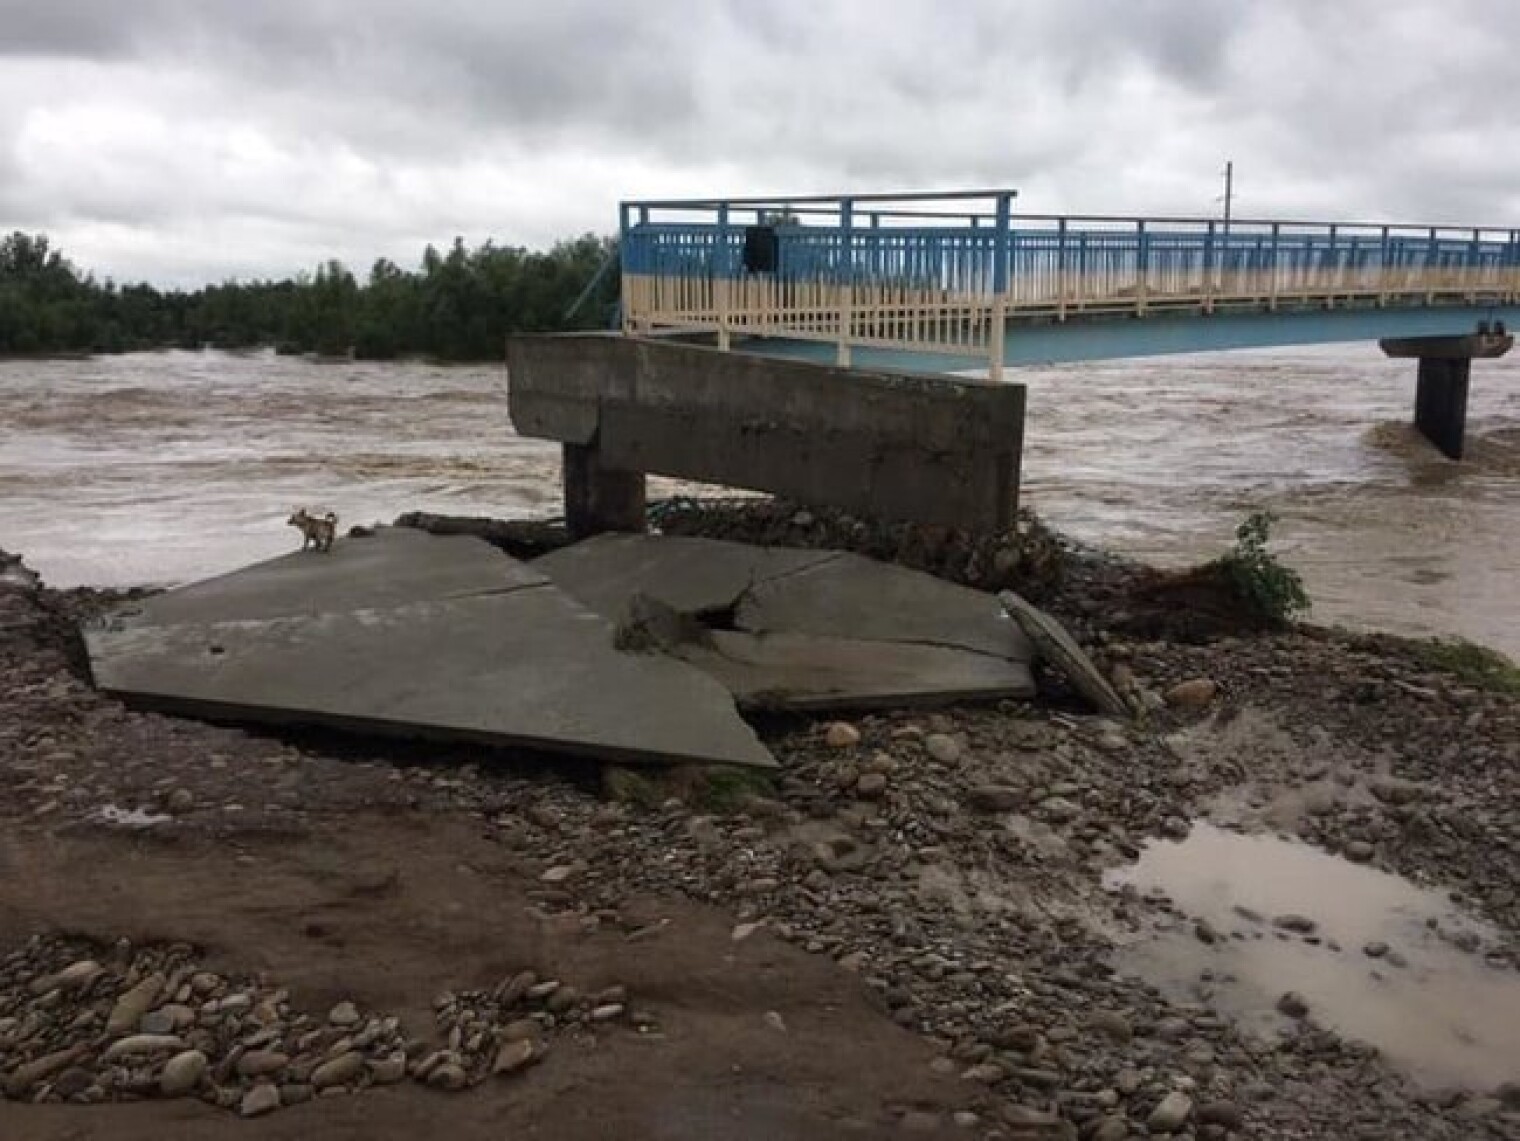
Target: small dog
317 531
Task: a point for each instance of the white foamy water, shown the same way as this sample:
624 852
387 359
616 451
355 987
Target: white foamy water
164 467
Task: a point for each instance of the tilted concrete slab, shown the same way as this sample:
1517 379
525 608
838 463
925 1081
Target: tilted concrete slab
815 629
416 635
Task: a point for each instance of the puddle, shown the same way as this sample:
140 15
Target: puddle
1437 1011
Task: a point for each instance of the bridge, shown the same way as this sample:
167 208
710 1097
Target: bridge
958 281
795 290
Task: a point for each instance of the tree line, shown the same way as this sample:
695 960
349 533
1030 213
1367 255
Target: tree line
458 305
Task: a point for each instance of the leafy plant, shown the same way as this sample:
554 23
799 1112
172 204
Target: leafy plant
1275 591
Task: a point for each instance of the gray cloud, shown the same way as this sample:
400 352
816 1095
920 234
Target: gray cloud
184 140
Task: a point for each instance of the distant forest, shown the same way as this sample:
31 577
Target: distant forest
454 306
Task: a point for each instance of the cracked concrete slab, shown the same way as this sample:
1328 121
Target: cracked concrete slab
814 629
416 635
694 576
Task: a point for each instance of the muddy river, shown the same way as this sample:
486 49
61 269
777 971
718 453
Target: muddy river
165 467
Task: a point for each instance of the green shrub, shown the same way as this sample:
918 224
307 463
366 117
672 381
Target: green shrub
1477 665
1276 592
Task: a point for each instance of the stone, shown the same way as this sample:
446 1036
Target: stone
449 1076
1359 851
871 786
1112 1024
558 874
1293 1005
841 735
1195 693
987 1073
387 1070
1175 828
257 1063
994 798
132 1005
30 1073
943 748
514 1055
607 1012
1111 1129
1171 1114
1375 949
344 1014
520 1030
1225 1113
1059 810
1299 924
180 801
160 1021
183 1073
75 976
260 1099
339 1071
142 1044
774 1020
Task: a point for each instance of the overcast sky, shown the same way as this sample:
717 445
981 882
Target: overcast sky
181 141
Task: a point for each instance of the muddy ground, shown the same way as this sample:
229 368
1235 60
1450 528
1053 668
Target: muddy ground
908 932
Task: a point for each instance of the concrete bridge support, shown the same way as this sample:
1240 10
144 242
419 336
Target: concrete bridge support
892 445
1440 403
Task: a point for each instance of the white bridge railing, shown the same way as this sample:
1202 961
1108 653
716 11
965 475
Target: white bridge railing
948 273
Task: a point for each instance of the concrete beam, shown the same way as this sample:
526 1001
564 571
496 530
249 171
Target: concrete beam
906 446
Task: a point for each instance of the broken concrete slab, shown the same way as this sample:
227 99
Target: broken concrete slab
411 634
807 672
693 576
811 629
394 566
850 596
1060 649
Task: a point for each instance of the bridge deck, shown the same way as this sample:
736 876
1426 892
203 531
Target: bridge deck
961 278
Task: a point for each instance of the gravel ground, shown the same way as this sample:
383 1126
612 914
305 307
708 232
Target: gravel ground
934 884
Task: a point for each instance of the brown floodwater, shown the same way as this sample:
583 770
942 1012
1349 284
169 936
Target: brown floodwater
164 467
1426 997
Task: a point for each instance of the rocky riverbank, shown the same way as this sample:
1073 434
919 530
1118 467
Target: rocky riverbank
910 929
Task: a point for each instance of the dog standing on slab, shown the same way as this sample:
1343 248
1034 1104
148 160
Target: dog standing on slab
317 531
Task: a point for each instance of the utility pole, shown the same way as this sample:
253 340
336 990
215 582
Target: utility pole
1229 191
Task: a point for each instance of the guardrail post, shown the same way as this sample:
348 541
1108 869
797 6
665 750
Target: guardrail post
1474 273
1208 269
720 278
998 319
845 280
624 250
1334 274
1432 248
1383 269
1061 269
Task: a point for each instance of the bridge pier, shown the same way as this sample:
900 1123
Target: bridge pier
599 498
1440 402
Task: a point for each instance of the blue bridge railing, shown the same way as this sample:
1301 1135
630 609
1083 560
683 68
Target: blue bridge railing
950 272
